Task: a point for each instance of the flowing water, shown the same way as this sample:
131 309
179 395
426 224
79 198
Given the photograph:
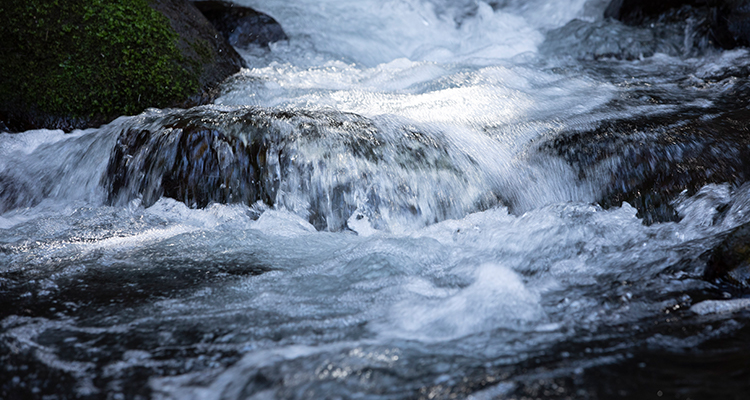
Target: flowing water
389 215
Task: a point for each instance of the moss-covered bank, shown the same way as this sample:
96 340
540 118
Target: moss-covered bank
72 63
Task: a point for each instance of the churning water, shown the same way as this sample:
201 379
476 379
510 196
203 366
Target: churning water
388 215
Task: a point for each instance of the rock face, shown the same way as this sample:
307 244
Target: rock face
69 64
241 26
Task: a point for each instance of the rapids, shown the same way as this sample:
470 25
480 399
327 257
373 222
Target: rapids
406 199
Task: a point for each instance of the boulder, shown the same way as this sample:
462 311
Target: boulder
649 161
657 160
246 155
728 20
321 165
70 64
241 26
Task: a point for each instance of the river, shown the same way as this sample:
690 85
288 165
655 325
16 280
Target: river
408 199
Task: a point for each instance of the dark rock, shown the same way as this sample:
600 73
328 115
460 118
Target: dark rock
651 160
190 162
595 40
659 161
241 26
207 53
730 261
727 21
731 24
69 64
636 12
322 165
205 156
678 32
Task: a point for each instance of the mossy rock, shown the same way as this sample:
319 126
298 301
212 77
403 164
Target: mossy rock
73 64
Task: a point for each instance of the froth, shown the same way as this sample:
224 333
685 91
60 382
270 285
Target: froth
497 298
372 32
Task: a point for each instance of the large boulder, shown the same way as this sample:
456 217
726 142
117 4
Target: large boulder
241 26
73 64
325 166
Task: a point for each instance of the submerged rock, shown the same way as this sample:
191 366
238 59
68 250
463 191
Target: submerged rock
69 64
241 26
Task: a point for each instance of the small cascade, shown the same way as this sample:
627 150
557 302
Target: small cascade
324 166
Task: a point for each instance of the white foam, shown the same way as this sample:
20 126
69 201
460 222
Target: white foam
26 142
720 306
283 223
374 32
497 298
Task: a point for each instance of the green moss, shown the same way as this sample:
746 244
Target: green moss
203 49
90 58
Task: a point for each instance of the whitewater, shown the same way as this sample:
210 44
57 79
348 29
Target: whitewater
409 229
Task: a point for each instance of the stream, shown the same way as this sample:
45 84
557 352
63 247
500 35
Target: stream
407 199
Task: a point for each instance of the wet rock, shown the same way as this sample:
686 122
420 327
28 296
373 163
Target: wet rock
323 166
731 24
241 26
595 40
636 12
726 22
730 261
15 193
652 160
206 156
192 162
69 64
679 32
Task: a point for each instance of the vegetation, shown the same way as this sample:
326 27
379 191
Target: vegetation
92 58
